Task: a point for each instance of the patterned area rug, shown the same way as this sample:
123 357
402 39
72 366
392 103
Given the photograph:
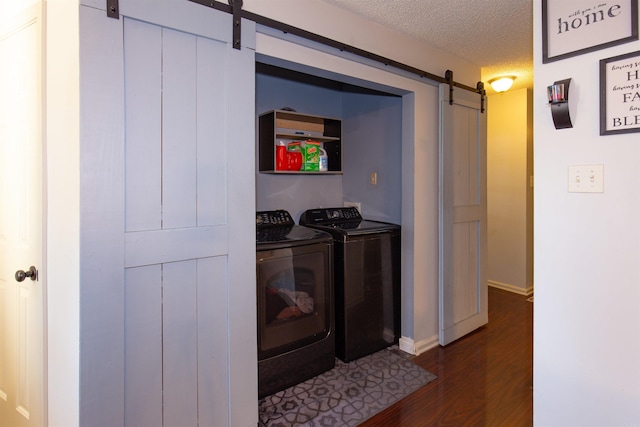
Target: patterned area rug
346 395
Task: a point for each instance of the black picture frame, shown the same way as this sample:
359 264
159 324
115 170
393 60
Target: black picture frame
568 31
620 94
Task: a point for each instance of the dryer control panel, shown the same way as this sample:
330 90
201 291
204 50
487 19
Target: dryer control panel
273 218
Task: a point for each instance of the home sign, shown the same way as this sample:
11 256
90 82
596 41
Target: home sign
571 28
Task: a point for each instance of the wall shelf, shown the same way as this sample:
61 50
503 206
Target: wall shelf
558 94
288 126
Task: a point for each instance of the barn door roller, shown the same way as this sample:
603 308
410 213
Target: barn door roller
448 75
113 9
236 7
483 94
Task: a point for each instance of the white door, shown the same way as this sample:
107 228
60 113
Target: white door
463 219
21 301
168 314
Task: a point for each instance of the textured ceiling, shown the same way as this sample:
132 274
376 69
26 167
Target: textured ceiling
497 35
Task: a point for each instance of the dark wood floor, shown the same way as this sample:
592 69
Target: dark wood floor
484 379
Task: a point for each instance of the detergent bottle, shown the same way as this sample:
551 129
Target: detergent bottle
324 161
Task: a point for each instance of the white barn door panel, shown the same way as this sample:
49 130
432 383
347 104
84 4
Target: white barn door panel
177 218
175 315
463 219
180 265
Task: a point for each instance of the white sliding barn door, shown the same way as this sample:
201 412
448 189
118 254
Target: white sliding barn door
463 218
168 333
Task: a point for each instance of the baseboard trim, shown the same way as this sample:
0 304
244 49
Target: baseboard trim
511 288
408 345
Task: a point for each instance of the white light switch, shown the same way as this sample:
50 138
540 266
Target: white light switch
586 178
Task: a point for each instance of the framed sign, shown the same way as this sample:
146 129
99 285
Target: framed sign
620 94
571 28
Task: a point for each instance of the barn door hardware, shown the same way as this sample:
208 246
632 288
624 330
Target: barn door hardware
113 9
236 6
448 75
483 94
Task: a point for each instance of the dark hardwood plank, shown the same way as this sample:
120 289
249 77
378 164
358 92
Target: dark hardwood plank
484 378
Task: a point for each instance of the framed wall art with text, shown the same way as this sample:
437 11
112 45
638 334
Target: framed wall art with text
571 28
620 94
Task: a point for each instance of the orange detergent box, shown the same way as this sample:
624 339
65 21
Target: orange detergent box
311 155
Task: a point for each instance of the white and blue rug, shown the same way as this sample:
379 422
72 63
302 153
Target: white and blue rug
346 395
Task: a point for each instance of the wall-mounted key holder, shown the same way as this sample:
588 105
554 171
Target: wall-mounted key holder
558 94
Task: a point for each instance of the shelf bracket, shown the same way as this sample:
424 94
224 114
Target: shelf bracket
113 9
448 75
236 6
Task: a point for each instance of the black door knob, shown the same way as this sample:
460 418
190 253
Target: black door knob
32 273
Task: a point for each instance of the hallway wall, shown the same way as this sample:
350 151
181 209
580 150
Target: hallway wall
587 256
510 191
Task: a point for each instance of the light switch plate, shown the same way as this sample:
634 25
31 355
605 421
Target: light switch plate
586 179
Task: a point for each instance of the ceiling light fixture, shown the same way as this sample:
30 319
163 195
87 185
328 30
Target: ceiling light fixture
502 84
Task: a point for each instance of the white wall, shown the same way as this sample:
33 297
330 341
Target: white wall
587 257
509 194
373 127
